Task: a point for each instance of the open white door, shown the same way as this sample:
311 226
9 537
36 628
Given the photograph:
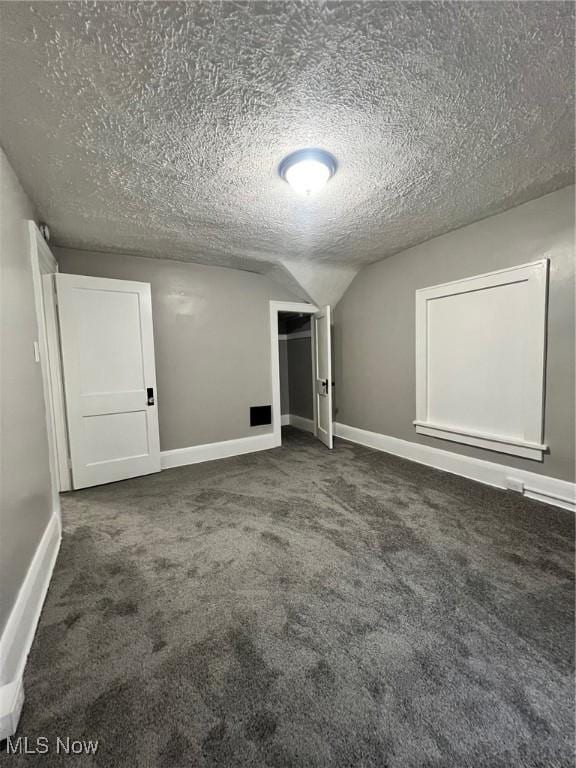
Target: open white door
109 378
323 376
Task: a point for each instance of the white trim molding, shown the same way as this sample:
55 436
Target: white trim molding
549 490
300 422
20 628
195 454
480 360
44 267
496 443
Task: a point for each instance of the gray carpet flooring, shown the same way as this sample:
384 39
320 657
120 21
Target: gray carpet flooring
299 607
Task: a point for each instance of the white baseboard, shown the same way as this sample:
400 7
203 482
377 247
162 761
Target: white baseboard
20 628
549 490
291 420
196 454
301 423
181 457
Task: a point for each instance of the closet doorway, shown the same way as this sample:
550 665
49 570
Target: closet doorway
296 370
301 369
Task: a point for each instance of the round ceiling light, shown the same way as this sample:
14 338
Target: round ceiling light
308 170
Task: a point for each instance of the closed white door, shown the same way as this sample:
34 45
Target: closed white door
323 376
109 378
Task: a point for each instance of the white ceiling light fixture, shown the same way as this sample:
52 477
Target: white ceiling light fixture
308 170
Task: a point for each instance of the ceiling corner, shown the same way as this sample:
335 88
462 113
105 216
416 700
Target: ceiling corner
323 283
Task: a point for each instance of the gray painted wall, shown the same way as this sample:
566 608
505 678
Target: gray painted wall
300 377
284 379
25 495
374 325
212 342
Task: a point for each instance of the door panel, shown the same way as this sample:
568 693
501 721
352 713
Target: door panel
105 316
114 436
108 361
323 375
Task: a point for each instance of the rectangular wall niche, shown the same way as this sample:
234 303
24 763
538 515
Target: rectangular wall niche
480 358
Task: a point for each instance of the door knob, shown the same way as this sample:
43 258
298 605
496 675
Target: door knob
150 395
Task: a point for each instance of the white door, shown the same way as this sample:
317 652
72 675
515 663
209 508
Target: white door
323 376
109 378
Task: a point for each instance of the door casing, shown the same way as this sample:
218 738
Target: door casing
44 267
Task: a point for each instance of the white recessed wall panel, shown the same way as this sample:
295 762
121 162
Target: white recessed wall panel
469 386
480 346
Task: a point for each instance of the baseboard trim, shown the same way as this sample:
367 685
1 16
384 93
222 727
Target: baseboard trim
291 420
301 423
549 490
20 628
196 454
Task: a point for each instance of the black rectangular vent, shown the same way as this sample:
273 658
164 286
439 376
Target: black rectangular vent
260 414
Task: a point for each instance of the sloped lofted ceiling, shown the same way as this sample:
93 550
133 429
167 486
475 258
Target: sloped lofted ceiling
156 128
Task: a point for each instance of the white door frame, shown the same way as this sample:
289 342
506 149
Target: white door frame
275 308
44 266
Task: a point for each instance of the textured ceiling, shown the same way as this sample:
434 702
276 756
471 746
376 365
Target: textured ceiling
157 128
